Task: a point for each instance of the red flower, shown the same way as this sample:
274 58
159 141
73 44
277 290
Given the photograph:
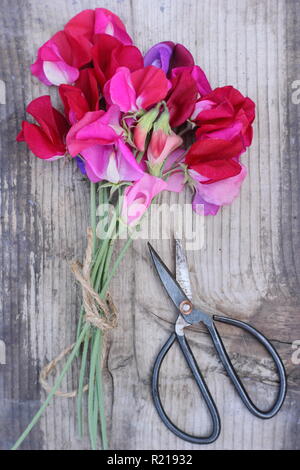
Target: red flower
80 99
109 54
182 97
87 82
214 159
225 114
99 21
46 141
225 118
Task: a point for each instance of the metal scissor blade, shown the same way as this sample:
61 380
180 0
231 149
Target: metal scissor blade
182 270
171 285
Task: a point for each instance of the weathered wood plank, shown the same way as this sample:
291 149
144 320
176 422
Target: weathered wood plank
248 267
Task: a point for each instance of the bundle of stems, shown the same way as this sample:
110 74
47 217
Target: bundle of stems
89 341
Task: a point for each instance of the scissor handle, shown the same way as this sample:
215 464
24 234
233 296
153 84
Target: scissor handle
233 375
202 387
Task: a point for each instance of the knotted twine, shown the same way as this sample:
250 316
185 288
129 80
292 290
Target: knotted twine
100 313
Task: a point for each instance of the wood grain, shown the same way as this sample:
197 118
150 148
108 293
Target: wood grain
248 266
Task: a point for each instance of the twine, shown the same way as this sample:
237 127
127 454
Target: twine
99 313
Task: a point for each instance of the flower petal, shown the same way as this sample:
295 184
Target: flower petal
120 91
107 22
222 192
151 86
39 143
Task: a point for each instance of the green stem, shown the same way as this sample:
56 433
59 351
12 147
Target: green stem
93 191
115 266
93 214
53 390
91 393
99 383
102 277
81 381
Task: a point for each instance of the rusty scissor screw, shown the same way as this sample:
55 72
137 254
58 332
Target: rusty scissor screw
186 307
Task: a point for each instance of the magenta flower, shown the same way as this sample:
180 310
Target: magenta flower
137 90
114 163
59 59
95 128
137 198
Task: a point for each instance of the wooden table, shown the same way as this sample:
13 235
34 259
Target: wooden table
248 267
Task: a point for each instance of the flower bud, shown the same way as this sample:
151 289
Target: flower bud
144 126
163 142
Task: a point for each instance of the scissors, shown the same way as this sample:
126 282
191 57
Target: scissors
179 290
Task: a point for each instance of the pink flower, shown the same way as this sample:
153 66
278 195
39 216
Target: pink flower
113 163
60 59
46 141
108 23
95 128
137 198
209 197
98 21
137 90
161 145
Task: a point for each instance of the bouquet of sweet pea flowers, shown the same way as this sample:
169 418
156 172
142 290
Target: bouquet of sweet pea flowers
135 126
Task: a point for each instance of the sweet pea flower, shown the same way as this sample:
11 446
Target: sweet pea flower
167 56
182 97
114 163
138 198
137 90
214 159
95 128
109 54
87 82
210 197
88 23
202 83
74 101
46 140
78 102
60 59
163 142
225 114
225 119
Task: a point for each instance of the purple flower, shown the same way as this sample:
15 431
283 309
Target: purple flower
167 56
